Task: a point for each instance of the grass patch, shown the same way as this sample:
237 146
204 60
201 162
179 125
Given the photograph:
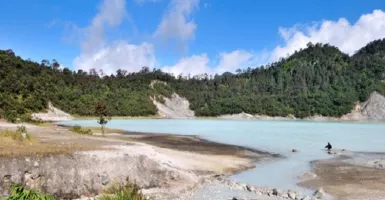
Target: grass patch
107 130
78 117
80 130
128 191
11 148
95 129
15 135
44 124
20 193
12 144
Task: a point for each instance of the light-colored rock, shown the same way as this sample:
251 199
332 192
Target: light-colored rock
174 107
306 198
250 188
52 115
321 118
319 194
24 135
86 172
374 107
105 178
243 185
376 163
247 116
284 195
237 116
291 194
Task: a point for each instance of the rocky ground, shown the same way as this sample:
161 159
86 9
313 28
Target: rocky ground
70 165
350 175
222 188
52 114
174 107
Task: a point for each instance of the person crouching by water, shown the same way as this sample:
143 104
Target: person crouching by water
329 146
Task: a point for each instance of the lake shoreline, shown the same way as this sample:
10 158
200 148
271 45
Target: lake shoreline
177 165
349 175
188 164
240 117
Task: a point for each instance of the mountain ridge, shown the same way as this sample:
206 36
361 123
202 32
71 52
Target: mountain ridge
317 80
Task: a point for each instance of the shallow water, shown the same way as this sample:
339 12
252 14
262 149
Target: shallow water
274 136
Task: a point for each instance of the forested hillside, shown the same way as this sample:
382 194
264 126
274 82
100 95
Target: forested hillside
317 80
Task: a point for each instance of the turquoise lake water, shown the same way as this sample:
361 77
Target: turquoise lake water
274 136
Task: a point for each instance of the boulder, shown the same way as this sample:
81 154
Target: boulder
291 194
250 188
243 186
306 198
237 198
105 178
275 192
319 194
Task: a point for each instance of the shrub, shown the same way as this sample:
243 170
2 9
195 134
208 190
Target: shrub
163 89
36 121
80 130
20 193
21 129
160 99
128 191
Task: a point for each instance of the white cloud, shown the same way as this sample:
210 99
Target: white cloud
176 24
228 62
109 57
233 60
120 55
341 33
347 37
196 64
111 14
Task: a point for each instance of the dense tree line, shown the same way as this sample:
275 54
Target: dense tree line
317 80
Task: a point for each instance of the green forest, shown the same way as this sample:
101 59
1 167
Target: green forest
319 79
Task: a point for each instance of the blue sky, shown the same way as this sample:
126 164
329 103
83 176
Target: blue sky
182 36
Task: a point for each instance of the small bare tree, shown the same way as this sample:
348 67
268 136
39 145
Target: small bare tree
102 112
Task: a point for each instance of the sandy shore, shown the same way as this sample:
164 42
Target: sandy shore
168 166
350 176
156 162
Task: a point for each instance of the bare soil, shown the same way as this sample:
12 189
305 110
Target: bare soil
347 181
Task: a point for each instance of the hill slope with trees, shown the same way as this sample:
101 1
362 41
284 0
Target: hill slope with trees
317 80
